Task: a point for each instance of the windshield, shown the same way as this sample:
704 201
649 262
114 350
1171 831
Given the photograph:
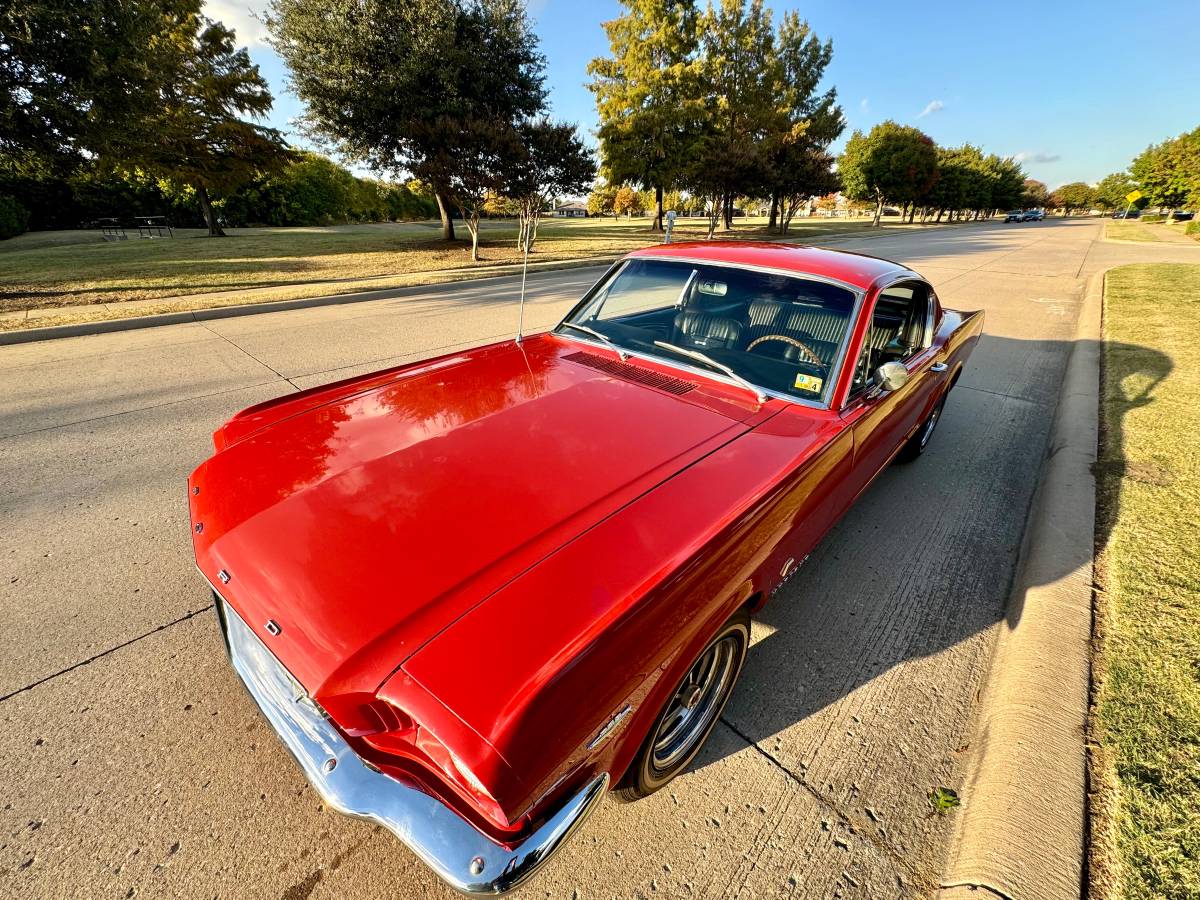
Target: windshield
779 332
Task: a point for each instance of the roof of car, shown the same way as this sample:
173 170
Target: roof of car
855 269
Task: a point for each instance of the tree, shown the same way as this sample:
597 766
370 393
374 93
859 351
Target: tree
1006 184
155 87
741 102
809 175
807 123
480 166
646 95
1112 190
555 162
1169 173
1076 195
414 85
78 75
893 163
602 200
197 136
951 191
628 202
1035 194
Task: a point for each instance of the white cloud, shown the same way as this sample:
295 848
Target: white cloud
865 104
1030 156
930 108
243 16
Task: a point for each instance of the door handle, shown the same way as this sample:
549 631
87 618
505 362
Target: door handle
938 367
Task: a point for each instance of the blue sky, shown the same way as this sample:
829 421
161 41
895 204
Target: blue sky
1073 89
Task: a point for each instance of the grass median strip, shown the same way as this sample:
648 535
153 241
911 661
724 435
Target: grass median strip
60 278
1146 718
1143 232
42 270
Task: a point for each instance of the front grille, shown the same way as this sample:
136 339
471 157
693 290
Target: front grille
631 373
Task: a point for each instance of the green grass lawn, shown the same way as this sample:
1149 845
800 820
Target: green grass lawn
78 269
1142 232
1128 231
1146 826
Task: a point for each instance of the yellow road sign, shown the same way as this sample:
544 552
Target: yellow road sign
1133 196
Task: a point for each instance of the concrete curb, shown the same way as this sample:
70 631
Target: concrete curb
1022 827
105 326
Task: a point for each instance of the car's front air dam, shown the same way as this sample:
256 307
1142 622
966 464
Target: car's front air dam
462 856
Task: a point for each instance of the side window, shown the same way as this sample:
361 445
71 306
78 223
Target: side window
901 327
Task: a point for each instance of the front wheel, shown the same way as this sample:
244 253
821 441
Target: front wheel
920 440
690 713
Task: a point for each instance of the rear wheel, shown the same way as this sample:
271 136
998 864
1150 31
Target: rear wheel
690 713
920 440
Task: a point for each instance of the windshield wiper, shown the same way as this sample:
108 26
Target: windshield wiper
720 367
621 351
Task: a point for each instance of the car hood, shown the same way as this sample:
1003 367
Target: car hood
362 520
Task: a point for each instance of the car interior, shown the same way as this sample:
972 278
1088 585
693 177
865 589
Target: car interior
778 331
900 328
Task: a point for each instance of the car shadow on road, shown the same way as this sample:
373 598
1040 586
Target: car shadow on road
876 649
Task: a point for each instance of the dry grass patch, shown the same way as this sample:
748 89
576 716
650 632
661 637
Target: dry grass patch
1146 718
70 269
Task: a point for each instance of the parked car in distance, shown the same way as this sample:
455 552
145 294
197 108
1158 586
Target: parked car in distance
1127 214
1014 215
1033 215
472 593
1181 216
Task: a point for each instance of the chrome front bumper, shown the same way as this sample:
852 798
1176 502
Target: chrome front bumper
459 853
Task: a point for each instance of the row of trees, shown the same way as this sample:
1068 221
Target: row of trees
901 165
156 98
717 102
309 189
314 190
1166 174
452 91
1169 173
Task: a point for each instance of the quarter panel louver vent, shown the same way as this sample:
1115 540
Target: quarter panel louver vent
631 373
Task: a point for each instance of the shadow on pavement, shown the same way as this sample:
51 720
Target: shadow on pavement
923 562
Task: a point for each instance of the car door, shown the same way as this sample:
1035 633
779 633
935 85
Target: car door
902 330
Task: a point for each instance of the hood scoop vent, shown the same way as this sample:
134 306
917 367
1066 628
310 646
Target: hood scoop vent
627 372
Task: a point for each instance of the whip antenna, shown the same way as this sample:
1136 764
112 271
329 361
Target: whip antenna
524 270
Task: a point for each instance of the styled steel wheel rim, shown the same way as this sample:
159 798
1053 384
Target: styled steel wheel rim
696 703
930 424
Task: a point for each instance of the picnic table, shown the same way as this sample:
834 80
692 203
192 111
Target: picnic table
111 230
153 227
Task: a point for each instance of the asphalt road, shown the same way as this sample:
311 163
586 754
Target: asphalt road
134 764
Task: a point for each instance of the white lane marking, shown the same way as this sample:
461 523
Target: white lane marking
1055 306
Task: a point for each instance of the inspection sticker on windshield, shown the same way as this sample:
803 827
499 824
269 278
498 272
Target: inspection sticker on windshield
809 383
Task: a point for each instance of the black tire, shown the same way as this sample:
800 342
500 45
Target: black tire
680 729
916 444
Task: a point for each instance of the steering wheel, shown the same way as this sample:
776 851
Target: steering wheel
804 349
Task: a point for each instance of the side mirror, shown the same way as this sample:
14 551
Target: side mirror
891 376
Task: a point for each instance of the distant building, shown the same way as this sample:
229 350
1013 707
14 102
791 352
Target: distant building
573 210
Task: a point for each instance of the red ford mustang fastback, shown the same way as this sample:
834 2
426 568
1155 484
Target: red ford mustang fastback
471 593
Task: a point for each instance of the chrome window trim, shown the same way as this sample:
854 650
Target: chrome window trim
879 287
835 370
752 267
